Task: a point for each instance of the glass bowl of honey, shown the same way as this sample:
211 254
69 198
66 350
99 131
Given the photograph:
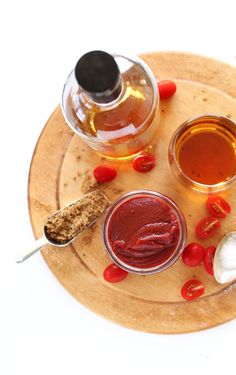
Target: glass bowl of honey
202 153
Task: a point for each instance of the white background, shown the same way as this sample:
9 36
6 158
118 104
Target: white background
43 330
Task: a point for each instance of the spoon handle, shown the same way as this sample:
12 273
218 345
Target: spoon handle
31 249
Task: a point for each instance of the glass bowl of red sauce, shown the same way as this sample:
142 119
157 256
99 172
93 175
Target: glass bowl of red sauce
144 232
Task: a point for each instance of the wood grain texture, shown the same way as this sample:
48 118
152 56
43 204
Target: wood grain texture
60 164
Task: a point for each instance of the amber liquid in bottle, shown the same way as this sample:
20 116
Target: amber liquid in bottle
207 154
122 127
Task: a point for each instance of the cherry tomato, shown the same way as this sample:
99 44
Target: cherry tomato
144 163
217 206
193 254
192 289
114 274
104 173
207 227
166 88
208 259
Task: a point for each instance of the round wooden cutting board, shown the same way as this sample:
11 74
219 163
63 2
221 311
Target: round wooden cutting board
62 165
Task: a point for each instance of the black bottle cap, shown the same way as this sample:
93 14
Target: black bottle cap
97 71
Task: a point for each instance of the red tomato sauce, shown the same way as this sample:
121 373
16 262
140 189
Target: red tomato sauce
143 232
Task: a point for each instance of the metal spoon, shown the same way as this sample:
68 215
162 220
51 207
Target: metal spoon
46 240
36 246
221 273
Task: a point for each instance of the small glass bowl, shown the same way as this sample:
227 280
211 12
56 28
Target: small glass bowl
182 232
226 127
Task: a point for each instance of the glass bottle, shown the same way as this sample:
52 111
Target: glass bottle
110 101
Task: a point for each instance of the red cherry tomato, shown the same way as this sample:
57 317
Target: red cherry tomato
144 163
166 88
208 259
193 254
192 289
217 206
114 274
104 173
207 227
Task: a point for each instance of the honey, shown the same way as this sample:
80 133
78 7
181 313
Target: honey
202 153
207 154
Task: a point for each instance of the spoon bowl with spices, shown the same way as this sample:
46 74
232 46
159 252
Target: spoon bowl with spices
66 224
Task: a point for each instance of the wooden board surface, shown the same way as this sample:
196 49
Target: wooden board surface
60 164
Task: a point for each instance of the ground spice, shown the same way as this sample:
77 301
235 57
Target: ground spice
89 183
67 223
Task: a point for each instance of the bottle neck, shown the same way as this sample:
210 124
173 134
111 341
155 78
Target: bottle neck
108 95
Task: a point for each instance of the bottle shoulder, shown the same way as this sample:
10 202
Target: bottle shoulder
135 88
131 109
